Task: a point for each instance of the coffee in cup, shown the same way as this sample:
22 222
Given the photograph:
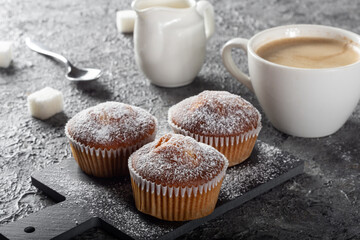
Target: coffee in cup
310 52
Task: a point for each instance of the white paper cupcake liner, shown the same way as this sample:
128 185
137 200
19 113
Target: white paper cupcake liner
218 141
170 191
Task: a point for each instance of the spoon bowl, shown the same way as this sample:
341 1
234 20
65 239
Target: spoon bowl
82 74
74 73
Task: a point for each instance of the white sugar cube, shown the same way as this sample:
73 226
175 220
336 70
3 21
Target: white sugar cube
125 21
45 103
5 53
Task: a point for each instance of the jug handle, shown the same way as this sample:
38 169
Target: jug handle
206 10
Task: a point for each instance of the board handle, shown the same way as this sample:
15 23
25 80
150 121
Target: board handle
54 222
62 221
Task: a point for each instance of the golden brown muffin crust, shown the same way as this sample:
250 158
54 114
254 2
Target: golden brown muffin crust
176 160
111 125
215 113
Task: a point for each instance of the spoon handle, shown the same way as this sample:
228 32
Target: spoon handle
43 50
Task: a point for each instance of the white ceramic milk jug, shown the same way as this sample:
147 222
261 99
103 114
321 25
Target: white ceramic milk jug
170 39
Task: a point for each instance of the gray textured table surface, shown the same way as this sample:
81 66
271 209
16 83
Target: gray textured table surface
322 203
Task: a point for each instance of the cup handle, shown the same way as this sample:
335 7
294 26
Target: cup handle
230 64
206 10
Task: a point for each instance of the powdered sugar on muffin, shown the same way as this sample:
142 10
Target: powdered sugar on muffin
111 123
178 160
215 113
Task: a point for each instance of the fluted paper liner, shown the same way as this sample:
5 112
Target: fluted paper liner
104 162
175 203
235 148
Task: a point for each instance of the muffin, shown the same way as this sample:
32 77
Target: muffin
103 137
221 119
176 178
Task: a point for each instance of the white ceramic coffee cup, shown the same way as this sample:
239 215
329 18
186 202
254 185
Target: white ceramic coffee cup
298 101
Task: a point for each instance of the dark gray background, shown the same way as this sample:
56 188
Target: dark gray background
322 203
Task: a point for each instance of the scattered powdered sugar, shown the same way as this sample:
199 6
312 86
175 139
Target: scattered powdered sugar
265 164
111 122
215 113
177 160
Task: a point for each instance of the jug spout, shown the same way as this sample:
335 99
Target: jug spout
141 6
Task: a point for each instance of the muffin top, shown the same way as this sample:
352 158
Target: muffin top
111 125
178 161
215 113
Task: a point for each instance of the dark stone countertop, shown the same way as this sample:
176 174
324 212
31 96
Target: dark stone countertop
323 203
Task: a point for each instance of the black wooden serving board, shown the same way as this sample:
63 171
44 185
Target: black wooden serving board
86 202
